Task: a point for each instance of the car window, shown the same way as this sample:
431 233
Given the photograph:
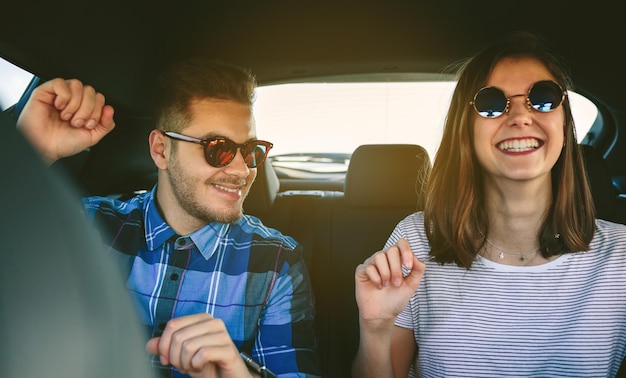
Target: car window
13 82
317 124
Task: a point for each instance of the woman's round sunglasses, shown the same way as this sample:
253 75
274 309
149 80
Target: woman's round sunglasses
220 151
543 96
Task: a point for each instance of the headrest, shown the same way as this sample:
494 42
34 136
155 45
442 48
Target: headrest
387 175
263 191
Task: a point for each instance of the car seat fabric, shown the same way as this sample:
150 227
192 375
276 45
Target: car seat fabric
387 175
65 312
263 191
384 184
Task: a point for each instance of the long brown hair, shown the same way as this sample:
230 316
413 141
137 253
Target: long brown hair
455 218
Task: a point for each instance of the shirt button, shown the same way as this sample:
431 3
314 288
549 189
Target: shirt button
174 276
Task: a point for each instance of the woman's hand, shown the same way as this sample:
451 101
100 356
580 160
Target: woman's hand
382 290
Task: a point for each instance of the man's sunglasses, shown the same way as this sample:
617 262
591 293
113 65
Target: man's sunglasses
543 96
220 151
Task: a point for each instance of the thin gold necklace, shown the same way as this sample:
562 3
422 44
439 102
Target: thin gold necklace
501 253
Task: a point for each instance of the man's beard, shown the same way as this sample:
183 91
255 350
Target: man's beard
183 189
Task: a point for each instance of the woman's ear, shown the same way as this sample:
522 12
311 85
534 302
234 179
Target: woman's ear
159 148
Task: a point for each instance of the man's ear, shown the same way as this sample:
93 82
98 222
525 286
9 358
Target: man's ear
159 148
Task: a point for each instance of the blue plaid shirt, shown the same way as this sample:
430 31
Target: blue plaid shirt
250 276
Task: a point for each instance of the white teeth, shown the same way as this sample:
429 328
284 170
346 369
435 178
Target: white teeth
519 145
227 189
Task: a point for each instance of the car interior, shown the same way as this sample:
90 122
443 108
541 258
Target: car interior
340 216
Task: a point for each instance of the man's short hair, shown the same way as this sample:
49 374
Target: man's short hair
196 79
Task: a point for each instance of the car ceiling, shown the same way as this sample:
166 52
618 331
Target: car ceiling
118 46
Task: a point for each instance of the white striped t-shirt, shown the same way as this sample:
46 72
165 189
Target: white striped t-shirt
565 318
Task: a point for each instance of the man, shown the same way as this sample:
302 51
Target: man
209 281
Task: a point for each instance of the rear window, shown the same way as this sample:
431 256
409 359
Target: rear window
315 123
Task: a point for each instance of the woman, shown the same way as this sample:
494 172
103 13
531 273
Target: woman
506 272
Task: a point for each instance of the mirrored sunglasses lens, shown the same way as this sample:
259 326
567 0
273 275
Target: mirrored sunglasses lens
255 155
545 96
219 152
490 102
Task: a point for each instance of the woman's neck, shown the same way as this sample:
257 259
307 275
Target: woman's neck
516 212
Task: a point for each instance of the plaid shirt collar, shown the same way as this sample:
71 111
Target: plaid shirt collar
207 238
